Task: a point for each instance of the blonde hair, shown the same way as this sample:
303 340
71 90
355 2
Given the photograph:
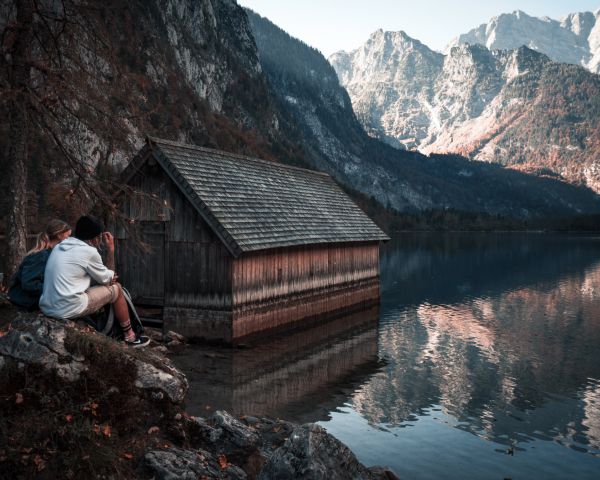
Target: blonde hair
50 234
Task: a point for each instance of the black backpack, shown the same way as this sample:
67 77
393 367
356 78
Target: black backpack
104 319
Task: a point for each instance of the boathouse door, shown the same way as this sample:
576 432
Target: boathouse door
144 265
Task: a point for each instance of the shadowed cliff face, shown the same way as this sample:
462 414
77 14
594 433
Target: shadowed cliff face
179 69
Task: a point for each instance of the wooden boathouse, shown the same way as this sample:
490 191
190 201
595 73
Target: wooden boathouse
231 245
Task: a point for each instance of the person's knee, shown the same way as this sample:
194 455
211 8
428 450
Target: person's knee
118 292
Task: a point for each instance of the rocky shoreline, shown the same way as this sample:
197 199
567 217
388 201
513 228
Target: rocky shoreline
76 404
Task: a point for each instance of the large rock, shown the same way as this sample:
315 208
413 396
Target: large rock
311 453
38 340
62 348
178 464
164 379
227 436
230 430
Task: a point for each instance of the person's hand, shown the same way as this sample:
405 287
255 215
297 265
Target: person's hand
109 241
115 279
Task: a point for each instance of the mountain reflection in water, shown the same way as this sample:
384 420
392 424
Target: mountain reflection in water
496 335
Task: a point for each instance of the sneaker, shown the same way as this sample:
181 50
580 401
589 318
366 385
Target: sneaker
139 342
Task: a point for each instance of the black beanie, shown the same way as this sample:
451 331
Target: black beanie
87 228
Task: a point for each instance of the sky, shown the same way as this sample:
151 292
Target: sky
333 25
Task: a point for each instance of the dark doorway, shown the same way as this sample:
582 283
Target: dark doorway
142 267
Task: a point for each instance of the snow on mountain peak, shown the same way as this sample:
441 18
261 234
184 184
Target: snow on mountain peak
574 39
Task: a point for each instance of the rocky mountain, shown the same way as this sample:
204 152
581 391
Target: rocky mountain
513 107
390 81
209 73
574 39
311 100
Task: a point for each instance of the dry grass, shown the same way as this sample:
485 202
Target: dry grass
96 427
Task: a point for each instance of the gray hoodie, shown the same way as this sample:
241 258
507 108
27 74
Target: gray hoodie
71 268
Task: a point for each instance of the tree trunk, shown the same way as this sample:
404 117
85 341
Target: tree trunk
18 119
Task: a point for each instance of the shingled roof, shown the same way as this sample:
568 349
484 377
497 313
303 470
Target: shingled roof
254 204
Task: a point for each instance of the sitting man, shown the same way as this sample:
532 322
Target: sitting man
72 267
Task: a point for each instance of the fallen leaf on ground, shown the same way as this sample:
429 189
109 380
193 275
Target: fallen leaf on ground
152 430
69 418
223 462
39 463
106 430
18 398
127 456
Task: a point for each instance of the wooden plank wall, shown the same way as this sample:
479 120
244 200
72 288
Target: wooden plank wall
199 323
269 275
197 266
299 309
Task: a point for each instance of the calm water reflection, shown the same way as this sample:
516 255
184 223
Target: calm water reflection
301 376
492 342
487 344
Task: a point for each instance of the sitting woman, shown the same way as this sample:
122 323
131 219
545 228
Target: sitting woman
27 284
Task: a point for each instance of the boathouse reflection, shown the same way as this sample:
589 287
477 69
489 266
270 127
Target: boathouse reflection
300 376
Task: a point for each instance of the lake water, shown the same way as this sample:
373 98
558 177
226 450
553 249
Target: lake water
483 361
